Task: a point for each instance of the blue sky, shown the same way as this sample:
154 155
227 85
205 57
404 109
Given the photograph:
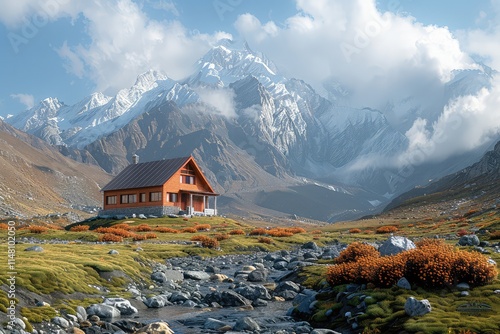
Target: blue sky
69 49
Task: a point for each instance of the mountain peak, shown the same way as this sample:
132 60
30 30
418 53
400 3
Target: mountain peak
148 79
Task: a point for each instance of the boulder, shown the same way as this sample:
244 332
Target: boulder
395 245
253 292
103 311
257 275
214 324
287 285
196 275
157 301
469 240
61 322
34 249
159 277
113 252
227 298
246 324
417 308
122 305
404 284
159 327
179 296
81 313
310 245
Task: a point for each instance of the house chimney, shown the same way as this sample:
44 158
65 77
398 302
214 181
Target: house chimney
135 159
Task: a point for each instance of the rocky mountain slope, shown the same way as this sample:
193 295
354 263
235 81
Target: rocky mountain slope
476 186
36 179
252 129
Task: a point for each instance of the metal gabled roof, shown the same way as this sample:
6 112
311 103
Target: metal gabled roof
146 174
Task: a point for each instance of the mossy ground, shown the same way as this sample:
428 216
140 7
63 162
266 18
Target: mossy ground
74 267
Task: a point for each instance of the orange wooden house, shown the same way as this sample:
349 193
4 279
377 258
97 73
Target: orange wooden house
159 188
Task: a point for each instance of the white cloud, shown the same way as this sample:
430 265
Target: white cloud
377 56
221 99
466 123
125 42
25 99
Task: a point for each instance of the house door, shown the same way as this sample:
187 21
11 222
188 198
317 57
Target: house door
184 201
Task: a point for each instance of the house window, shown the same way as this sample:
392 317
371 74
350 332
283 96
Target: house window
129 198
187 179
155 197
187 170
110 200
172 197
142 197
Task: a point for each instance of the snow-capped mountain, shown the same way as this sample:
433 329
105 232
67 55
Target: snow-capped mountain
247 123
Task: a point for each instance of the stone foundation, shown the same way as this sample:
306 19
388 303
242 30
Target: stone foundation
158 211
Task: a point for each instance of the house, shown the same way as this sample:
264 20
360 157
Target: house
159 188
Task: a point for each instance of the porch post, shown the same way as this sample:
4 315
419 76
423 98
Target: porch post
191 204
215 205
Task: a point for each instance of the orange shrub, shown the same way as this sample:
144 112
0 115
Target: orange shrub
108 237
316 232
189 230
202 227
206 242
495 235
55 227
116 231
462 232
4 226
354 230
38 229
123 226
166 230
150 235
278 232
185 219
258 231
411 225
265 240
453 225
221 236
386 229
237 232
470 213
295 230
142 228
138 237
355 251
433 264
79 228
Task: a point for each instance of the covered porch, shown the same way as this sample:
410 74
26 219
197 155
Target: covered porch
199 203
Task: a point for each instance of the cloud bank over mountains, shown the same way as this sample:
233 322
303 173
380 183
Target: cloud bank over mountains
378 58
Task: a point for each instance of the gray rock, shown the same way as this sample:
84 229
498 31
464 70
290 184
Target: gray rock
196 275
310 245
60 321
464 293
113 252
179 296
142 216
159 277
469 240
122 305
287 285
189 303
404 284
246 324
395 245
227 298
253 292
257 275
34 249
103 311
214 324
280 265
157 301
416 308
174 275
19 323
463 286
